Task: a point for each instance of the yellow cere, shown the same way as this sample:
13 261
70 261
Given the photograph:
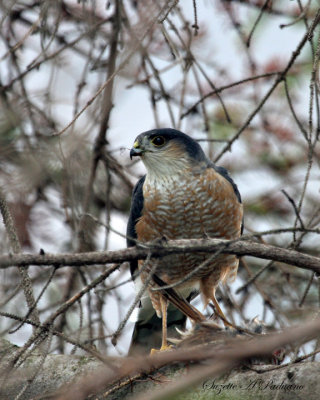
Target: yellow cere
135 144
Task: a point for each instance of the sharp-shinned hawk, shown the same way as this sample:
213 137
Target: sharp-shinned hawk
183 195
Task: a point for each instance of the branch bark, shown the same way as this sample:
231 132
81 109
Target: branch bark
166 248
124 375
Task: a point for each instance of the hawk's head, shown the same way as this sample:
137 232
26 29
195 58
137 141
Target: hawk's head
167 151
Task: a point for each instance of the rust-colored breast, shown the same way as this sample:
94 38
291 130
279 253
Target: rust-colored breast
191 206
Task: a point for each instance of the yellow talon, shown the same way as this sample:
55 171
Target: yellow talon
162 348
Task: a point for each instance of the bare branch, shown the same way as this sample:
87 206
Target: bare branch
15 245
238 247
220 362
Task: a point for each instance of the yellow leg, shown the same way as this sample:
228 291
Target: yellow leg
164 344
164 305
220 312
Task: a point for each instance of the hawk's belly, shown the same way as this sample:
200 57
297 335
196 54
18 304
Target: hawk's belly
194 206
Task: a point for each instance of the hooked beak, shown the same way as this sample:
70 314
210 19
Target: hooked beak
136 150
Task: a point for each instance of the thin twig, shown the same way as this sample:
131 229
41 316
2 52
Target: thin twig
16 248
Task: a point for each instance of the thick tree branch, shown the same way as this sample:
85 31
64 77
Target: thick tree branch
238 247
90 376
220 362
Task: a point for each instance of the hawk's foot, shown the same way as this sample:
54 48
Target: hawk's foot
166 347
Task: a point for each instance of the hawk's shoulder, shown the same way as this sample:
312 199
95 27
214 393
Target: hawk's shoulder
224 172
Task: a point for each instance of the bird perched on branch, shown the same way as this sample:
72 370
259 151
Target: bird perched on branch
183 195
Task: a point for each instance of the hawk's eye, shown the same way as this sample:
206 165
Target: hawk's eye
158 141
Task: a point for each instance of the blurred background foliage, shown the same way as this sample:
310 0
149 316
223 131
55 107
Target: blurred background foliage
80 79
